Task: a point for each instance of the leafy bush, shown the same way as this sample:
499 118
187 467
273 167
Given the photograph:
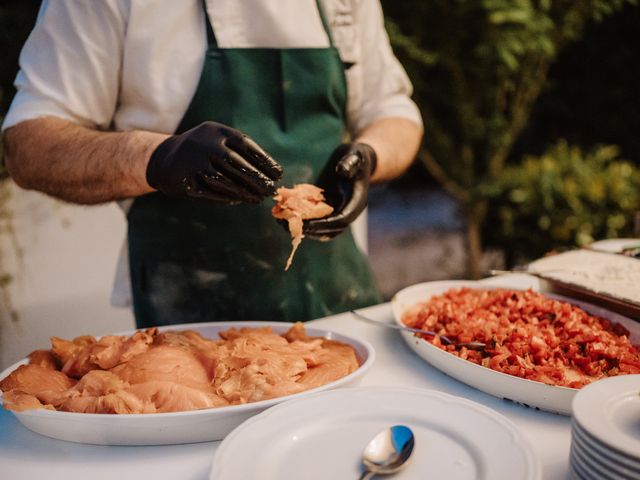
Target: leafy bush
561 199
478 67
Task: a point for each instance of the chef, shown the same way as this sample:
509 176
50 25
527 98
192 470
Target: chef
191 113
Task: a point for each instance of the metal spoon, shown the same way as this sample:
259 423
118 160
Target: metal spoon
387 452
445 340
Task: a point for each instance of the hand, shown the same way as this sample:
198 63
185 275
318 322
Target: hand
345 181
213 162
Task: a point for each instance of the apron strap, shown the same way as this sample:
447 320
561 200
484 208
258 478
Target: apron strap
212 42
325 23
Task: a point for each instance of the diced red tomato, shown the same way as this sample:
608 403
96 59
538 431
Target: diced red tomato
528 335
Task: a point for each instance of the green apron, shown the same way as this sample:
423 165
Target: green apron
194 261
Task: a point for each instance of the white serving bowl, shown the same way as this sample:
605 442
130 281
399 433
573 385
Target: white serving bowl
530 393
178 427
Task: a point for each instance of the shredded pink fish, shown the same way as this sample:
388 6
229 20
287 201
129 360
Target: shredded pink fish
302 202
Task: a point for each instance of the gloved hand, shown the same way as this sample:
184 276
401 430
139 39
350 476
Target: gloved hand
213 162
345 181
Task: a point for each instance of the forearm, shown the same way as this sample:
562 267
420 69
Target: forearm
76 163
396 141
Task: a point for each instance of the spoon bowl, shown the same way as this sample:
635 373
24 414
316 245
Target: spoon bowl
388 451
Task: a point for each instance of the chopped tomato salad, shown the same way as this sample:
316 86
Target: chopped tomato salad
528 335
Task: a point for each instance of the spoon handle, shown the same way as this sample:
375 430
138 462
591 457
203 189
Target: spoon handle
366 475
445 340
390 325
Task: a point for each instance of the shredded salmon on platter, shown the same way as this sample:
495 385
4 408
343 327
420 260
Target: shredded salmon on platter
527 335
302 202
152 372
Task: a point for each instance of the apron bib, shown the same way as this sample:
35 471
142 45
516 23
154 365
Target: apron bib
195 261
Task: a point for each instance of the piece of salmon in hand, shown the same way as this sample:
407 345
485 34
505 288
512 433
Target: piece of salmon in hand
302 202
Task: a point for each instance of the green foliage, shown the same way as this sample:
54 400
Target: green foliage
478 67
590 94
561 199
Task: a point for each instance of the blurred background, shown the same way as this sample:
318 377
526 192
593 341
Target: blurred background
532 117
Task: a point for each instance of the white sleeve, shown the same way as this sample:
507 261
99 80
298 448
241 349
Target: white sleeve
70 64
384 88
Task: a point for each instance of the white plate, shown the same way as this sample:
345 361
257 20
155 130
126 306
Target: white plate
601 450
584 470
594 469
177 427
526 392
609 410
615 245
322 437
611 461
602 470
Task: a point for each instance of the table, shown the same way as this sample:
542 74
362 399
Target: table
26 455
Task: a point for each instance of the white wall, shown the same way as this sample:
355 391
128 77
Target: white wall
61 281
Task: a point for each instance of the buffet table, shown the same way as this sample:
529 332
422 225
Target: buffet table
27 455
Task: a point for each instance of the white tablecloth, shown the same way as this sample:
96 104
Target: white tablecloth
26 455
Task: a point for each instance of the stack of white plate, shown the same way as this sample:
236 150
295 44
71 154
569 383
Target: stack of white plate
605 441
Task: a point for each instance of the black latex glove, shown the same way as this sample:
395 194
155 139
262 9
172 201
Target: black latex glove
345 180
213 162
